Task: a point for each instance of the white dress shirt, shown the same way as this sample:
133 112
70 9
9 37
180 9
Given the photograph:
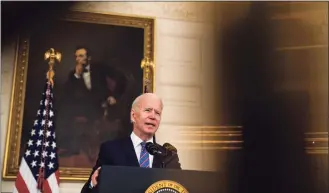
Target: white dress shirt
86 77
138 148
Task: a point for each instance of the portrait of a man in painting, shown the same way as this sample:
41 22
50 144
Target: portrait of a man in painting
99 75
91 105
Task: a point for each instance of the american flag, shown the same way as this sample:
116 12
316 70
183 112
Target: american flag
38 171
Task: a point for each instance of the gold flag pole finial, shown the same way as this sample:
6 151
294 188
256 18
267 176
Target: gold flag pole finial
148 69
52 56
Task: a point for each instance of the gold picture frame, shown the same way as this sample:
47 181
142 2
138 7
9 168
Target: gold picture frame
14 129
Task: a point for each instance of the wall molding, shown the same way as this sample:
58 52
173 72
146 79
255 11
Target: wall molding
316 142
306 47
210 137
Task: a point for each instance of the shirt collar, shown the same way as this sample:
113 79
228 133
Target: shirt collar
87 67
137 141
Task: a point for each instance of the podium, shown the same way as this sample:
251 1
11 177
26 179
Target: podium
119 179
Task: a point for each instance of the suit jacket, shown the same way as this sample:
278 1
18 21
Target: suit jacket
105 81
121 152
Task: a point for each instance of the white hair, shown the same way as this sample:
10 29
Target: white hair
135 104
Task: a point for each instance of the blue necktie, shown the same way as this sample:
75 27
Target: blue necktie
144 161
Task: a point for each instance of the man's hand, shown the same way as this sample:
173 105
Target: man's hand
94 177
111 100
78 69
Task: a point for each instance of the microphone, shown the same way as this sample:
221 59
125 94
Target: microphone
166 153
170 147
153 149
171 153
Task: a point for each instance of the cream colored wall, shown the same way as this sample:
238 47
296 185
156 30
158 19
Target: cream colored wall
184 62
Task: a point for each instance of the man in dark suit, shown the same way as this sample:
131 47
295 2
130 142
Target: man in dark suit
130 151
92 92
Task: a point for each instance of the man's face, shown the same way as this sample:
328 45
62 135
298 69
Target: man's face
81 56
148 115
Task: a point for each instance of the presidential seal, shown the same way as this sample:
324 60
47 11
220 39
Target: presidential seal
166 186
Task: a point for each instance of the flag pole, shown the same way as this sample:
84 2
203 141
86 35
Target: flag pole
39 169
52 56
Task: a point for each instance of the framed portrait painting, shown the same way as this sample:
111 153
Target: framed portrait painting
91 101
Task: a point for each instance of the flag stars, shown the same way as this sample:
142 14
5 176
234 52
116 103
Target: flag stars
33 132
30 143
42 164
41 102
54 135
46 144
48 134
40 132
44 154
51 165
53 145
38 143
27 153
43 122
38 112
36 122
33 164
52 155
51 113
36 153
44 113
50 124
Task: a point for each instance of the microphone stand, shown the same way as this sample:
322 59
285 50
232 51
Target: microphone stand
167 160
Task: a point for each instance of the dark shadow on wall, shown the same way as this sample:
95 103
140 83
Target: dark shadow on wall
273 158
20 17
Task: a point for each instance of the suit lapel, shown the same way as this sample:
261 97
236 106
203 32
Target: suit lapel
130 152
